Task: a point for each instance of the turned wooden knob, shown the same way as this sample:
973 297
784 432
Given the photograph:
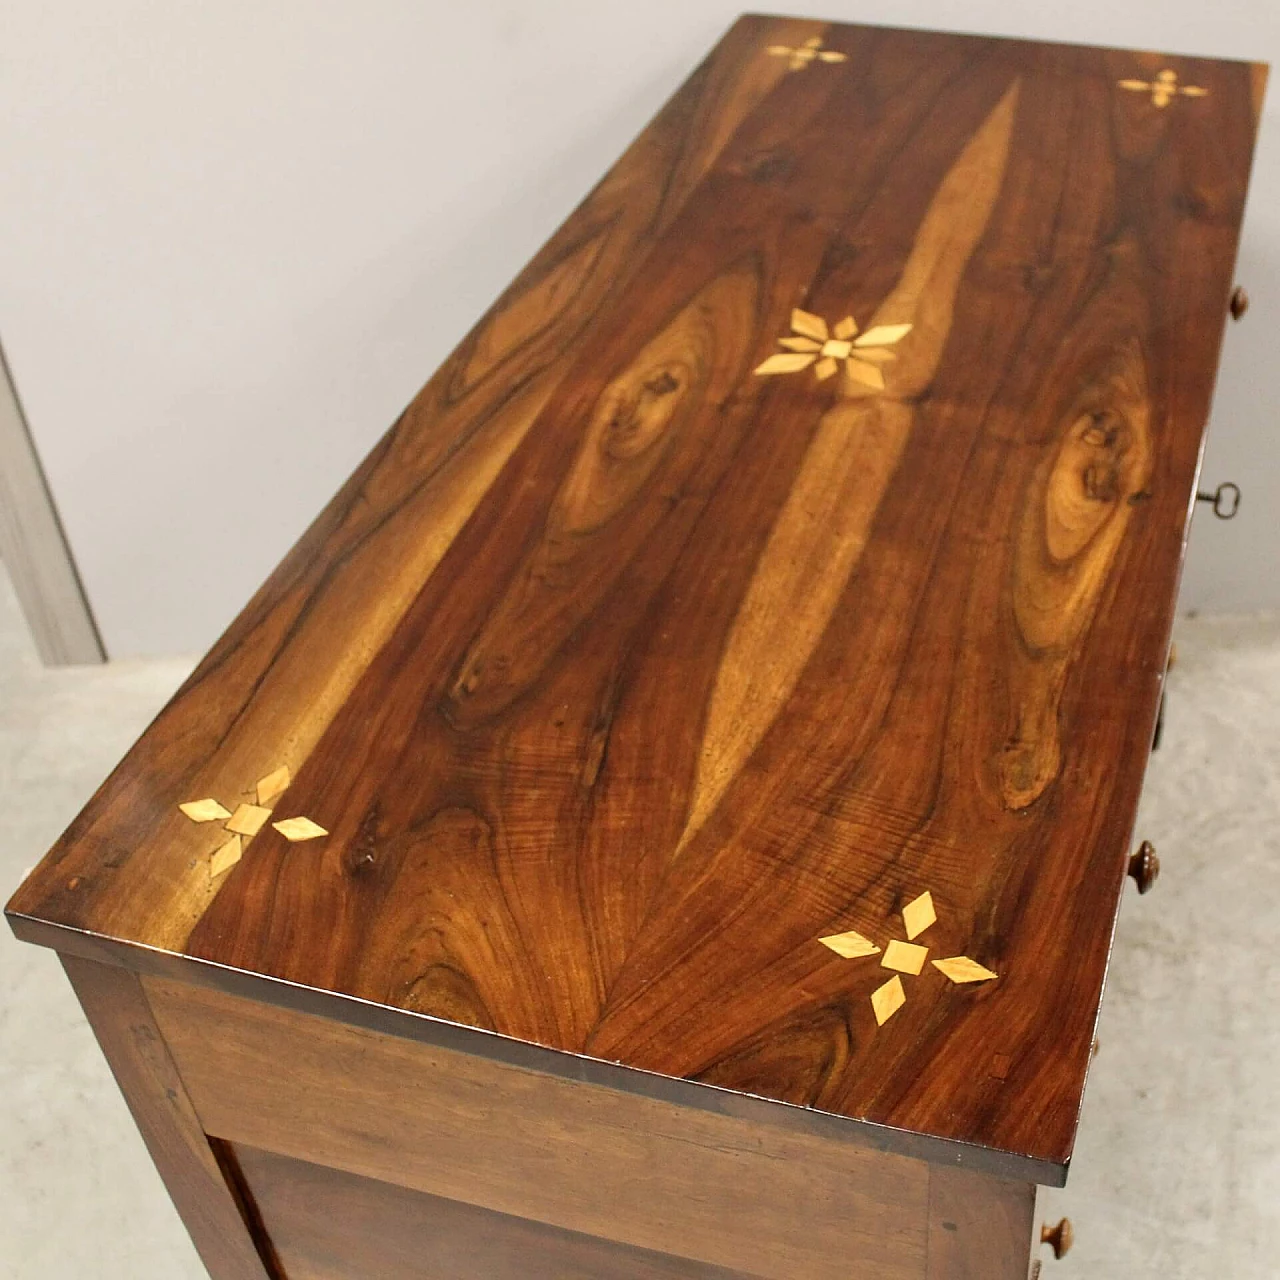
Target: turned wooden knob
1059 1238
1239 302
1144 866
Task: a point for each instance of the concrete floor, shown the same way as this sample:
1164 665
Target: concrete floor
1177 1171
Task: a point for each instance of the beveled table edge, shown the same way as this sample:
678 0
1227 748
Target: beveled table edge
371 1016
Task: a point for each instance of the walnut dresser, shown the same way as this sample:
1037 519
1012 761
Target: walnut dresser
667 816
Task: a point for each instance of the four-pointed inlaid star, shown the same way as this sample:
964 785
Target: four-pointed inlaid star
1164 88
905 957
248 819
806 54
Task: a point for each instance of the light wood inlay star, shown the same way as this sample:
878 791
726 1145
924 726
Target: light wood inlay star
811 343
906 957
1164 88
806 54
248 819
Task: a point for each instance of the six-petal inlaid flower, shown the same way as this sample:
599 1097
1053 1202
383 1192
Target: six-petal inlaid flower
810 342
905 957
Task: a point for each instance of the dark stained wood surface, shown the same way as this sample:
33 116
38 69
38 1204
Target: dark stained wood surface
620 674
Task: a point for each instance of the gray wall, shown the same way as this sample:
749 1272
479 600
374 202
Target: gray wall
236 237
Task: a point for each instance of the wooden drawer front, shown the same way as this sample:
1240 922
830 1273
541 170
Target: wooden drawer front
713 1189
603 1163
328 1225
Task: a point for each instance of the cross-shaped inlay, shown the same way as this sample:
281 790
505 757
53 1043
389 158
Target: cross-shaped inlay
905 957
248 819
1164 88
806 54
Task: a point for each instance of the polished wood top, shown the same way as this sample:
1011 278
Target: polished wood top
796 538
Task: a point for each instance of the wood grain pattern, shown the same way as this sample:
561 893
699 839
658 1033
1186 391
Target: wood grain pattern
620 676
271 685
826 520
328 1225
712 1188
117 1010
